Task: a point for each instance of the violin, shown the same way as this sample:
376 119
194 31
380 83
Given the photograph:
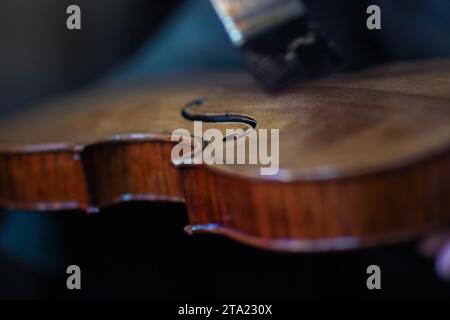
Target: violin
364 156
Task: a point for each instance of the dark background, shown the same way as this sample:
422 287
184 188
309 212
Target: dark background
139 250
41 57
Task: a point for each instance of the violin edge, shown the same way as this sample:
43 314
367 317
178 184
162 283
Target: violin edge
307 205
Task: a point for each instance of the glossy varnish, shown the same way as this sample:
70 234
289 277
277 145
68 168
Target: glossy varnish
364 157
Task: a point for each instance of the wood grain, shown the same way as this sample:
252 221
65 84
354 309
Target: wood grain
364 157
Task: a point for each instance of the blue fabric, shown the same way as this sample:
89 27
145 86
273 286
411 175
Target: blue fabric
32 238
193 39
415 28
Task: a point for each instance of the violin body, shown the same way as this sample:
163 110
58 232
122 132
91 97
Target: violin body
364 157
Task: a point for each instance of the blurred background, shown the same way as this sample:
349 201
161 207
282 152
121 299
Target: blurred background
41 57
139 250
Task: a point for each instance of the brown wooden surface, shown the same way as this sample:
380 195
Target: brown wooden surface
364 157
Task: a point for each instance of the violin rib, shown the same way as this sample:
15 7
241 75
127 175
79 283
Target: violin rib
364 157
